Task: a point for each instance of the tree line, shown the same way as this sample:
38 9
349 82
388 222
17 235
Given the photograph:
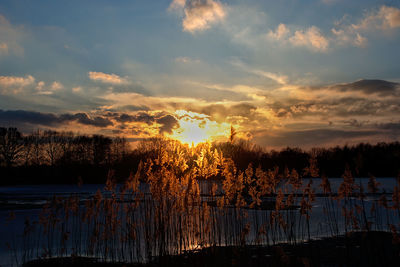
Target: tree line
51 156
53 148
363 159
66 157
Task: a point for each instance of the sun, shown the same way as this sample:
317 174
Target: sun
195 128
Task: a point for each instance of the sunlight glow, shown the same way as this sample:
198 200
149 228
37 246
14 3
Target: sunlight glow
197 128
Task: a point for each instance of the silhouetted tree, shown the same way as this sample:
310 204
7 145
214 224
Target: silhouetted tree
11 144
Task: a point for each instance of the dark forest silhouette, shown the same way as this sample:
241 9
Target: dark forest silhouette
67 157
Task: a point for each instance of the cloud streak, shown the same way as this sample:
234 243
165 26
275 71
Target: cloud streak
107 78
279 78
13 117
10 37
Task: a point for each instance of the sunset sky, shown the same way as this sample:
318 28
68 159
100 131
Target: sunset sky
283 73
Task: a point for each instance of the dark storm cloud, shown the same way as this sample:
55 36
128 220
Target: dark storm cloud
10 117
83 118
168 122
341 106
393 126
18 117
139 117
385 102
380 87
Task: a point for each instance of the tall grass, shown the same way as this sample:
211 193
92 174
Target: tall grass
166 208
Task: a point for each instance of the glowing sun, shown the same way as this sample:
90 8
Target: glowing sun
195 128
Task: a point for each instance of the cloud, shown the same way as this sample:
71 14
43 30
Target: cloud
134 108
363 100
394 126
343 33
186 60
139 117
199 15
107 78
130 88
76 89
18 117
40 85
384 18
15 84
379 87
42 89
56 86
311 38
222 113
177 4
279 78
3 49
12 117
349 36
355 123
168 123
10 81
359 132
280 33
84 118
10 37
117 84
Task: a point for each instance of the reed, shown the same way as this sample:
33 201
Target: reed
163 209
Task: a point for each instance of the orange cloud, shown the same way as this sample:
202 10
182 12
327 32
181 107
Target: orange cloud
385 18
56 86
8 81
106 78
199 15
280 33
312 38
14 84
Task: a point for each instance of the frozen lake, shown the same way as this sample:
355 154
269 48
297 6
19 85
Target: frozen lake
26 203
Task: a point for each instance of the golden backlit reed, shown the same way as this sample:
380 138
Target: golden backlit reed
184 198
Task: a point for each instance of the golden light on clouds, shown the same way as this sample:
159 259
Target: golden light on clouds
195 128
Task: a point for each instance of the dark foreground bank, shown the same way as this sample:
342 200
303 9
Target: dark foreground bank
355 249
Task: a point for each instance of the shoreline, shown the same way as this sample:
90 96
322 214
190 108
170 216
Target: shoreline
373 248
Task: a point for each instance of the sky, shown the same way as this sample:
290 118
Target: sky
283 73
